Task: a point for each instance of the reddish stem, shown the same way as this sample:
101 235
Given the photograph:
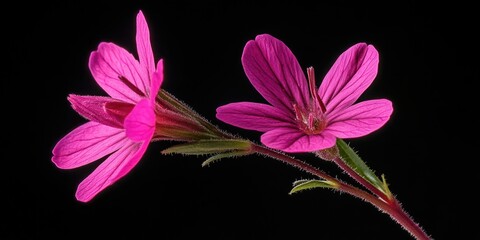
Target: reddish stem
362 180
391 207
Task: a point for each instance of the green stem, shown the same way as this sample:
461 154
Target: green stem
391 208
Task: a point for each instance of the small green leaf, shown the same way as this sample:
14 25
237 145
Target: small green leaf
209 147
385 185
224 155
352 159
298 182
309 184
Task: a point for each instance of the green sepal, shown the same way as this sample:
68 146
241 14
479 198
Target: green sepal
212 146
225 155
170 102
351 158
305 184
385 186
180 134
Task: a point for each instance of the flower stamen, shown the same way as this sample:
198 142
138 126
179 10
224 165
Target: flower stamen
312 119
311 85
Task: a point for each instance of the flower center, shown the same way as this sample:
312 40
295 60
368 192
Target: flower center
311 120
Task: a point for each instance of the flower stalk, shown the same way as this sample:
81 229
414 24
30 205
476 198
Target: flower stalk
391 207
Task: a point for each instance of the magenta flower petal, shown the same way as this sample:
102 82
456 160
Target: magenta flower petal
94 108
360 119
303 119
157 80
118 73
349 77
144 47
254 116
87 143
111 170
122 125
140 123
292 140
275 72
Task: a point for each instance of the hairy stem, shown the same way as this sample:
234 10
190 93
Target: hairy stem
361 180
392 207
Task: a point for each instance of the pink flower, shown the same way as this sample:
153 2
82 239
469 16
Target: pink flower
121 125
300 118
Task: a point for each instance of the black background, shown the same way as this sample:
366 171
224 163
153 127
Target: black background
427 150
